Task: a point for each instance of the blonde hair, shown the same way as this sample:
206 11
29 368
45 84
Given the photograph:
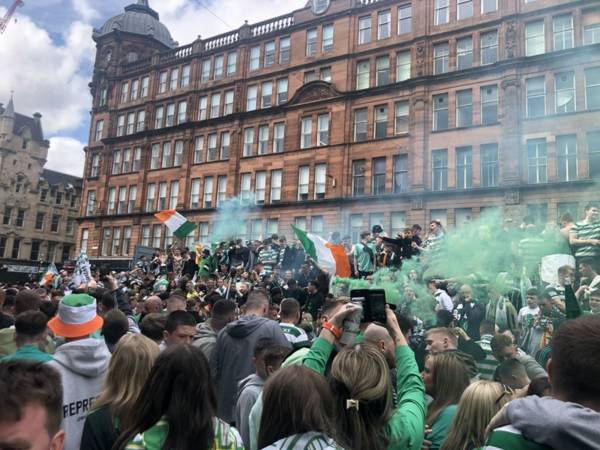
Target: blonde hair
478 404
129 367
362 387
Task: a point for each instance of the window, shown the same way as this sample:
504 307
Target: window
182 112
212 147
137 159
403 66
306 136
536 161
325 74
145 87
464 108
284 50
404 19
121 125
178 153
215 105
489 105
591 34
593 147
231 63
35 250
564 84
364 30
263 139
276 177
141 121
562 27
99 130
206 69
464 53
130 123
198 149
58 198
145 238
155 156
248 141
592 88
278 137
195 193
311 42
381 121
378 176
203 232
43 195
269 54
124 92
228 102
126 240
282 91
162 82
398 222
356 226
39 219
261 186
362 74
384 24
442 12
254 58
400 173
536 97
464 9
303 182
382 67
440 58
489 165
162 196
126 160
218 70
95 166
7 215
170 115
327 38
322 130
358 177
122 200
316 225
245 186
101 102
166 155
158 117
15 249
309 76
464 168
251 98
566 157
320 180
174 79
156 236
132 199
112 200
439 161
266 92
489 47
401 117
135 89
90 204
360 125
535 43
185 76
221 189
116 168
202 107
225 144
440 112
488 6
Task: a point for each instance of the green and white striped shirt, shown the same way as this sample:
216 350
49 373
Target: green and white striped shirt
305 441
510 438
583 230
295 335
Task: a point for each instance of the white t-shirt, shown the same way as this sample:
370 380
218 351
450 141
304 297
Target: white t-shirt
527 311
444 300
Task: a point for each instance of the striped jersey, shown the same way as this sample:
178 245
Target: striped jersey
305 441
486 367
510 438
584 230
268 257
295 335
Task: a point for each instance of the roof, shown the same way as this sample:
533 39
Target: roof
21 121
53 178
138 18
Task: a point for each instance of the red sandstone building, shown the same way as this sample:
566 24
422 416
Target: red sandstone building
342 115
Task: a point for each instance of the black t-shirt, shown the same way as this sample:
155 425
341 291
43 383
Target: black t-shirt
6 321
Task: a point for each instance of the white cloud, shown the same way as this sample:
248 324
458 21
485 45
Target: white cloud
85 10
66 155
48 77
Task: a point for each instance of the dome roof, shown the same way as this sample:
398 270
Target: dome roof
138 18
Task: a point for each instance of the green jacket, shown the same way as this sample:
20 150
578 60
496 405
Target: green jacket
30 353
405 428
440 427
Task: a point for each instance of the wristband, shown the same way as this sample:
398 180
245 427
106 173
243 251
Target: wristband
337 332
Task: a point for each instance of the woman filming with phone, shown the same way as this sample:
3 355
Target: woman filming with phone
364 414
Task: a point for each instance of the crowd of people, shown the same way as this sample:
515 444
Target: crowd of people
249 345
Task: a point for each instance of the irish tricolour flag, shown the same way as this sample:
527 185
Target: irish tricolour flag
330 258
175 222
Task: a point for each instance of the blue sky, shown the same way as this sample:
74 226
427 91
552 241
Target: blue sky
47 55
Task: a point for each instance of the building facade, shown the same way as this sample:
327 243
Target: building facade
39 207
345 114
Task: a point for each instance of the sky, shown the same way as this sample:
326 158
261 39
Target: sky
47 54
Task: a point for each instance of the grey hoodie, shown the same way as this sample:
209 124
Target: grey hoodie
235 347
560 425
82 365
206 340
248 392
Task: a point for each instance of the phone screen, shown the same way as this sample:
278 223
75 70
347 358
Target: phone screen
376 301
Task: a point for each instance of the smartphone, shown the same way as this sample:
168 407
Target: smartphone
373 303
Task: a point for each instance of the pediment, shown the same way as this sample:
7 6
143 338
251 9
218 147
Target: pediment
313 92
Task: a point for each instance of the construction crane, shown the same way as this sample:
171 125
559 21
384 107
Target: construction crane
6 19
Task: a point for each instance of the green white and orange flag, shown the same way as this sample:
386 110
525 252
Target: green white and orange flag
330 258
175 222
